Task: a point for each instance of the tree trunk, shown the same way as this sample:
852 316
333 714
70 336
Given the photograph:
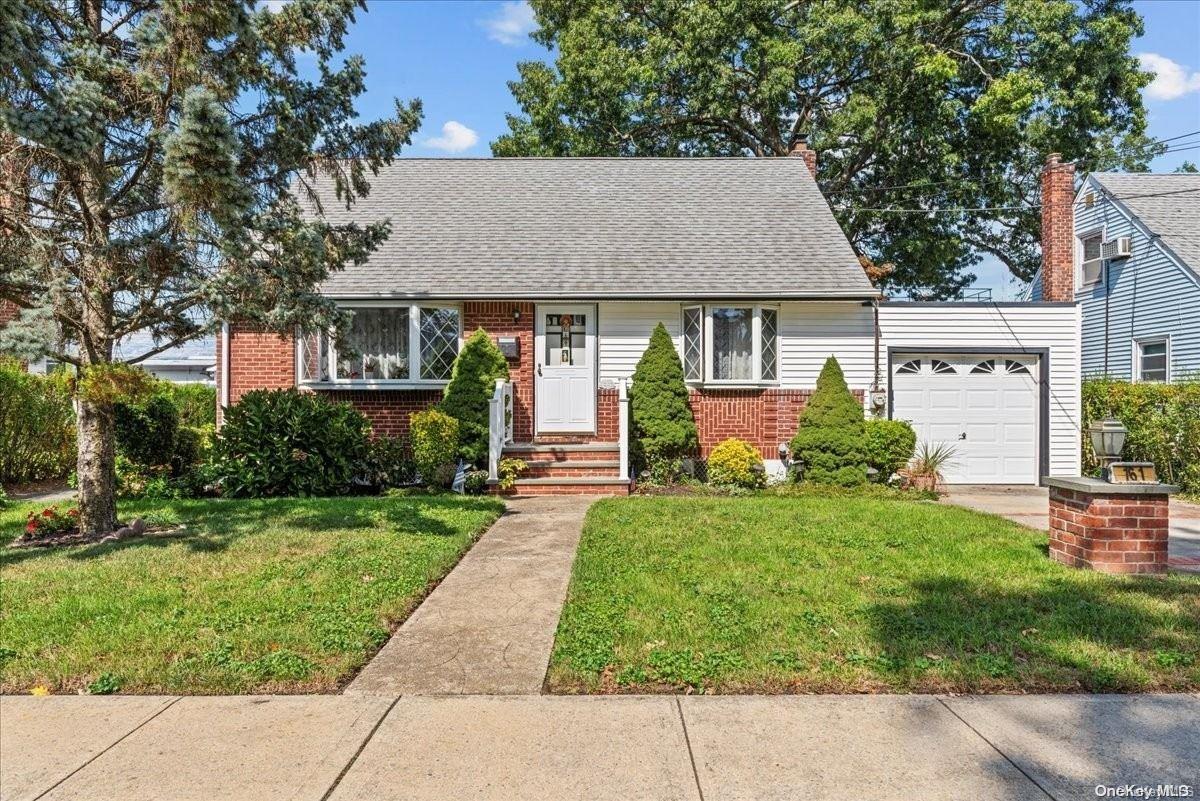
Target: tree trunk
96 467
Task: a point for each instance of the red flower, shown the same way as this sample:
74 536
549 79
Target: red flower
48 512
73 513
31 527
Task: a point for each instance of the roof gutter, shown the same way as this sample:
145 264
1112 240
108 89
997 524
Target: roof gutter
593 296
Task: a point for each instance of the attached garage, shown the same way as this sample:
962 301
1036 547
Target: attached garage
986 407
998 382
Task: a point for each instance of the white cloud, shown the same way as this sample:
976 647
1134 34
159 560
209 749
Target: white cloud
274 5
512 24
455 138
1171 80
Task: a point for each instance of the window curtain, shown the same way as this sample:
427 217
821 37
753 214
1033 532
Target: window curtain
733 344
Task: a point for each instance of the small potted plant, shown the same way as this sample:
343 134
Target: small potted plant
924 472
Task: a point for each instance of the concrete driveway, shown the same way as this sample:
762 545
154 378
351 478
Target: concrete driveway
1030 506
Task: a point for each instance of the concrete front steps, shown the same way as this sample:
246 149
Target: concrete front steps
569 468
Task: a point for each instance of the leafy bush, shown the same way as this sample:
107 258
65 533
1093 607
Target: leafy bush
37 424
467 396
146 429
890 444
736 463
389 463
1163 422
286 442
434 446
476 482
510 470
50 522
830 441
193 446
196 403
663 429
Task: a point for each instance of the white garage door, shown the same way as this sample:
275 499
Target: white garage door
984 407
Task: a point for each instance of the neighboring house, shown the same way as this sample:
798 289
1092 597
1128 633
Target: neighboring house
1135 267
570 263
190 363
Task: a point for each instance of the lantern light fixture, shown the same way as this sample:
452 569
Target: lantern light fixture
1108 439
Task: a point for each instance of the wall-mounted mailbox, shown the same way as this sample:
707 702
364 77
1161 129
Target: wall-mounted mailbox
510 347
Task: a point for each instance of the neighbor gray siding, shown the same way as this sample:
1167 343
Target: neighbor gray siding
1148 295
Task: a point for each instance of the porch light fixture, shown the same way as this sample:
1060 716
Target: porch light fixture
516 313
1108 439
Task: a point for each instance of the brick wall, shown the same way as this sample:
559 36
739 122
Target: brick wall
8 312
1109 533
1058 230
388 410
258 360
496 317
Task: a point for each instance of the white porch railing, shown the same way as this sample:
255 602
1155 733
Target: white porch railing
500 425
623 426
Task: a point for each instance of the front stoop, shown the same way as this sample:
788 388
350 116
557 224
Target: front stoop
568 468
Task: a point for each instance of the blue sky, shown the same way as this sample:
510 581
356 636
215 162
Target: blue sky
458 56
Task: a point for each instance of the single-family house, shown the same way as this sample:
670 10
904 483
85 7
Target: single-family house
570 263
1135 267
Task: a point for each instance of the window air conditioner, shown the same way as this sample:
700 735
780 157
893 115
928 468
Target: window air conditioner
1119 248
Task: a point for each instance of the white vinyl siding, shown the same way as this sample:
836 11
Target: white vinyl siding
810 332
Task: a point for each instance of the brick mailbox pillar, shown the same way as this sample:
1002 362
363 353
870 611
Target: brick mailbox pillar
1113 528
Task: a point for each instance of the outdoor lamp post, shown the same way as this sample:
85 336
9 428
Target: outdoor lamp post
1108 439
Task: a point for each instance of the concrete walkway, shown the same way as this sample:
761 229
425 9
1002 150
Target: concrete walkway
1030 506
489 626
347 748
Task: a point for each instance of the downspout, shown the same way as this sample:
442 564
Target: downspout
225 366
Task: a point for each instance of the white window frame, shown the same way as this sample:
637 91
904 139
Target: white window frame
1100 233
414 380
1140 343
707 352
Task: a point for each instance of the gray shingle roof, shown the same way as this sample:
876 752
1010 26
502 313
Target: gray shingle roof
596 228
1175 217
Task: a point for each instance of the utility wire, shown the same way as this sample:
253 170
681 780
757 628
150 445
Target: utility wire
1029 207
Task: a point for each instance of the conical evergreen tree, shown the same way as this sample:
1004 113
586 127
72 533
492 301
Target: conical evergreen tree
662 422
831 440
472 383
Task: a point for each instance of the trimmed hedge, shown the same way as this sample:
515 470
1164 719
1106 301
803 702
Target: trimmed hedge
1163 422
37 425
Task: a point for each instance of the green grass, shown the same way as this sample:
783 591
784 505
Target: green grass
855 594
284 595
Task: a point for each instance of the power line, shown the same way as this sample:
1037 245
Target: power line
1028 207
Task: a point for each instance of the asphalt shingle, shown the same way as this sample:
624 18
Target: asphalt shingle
1167 204
602 227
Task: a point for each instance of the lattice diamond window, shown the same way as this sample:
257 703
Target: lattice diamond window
693 337
439 342
770 348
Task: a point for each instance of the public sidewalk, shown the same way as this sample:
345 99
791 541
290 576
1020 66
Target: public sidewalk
309 748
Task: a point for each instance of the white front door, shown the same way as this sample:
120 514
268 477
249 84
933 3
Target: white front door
984 406
565 345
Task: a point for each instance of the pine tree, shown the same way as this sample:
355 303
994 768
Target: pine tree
662 422
467 396
154 159
831 440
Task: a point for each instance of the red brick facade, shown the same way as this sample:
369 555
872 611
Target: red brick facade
1111 533
762 417
1058 230
8 312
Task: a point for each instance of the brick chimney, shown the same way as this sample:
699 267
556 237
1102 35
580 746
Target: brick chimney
1058 229
800 148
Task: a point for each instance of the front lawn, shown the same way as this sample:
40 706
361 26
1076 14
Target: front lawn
855 594
285 595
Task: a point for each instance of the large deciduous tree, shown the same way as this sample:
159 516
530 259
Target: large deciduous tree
912 104
156 154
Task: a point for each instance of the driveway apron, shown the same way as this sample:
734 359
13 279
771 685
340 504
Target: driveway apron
489 626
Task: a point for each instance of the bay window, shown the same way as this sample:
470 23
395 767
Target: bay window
391 345
731 344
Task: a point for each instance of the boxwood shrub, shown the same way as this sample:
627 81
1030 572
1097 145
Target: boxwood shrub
890 444
830 441
736 463
283 442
